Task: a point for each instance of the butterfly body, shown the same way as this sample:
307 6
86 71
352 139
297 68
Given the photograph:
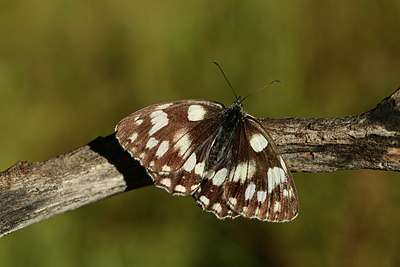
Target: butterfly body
226 132
223 157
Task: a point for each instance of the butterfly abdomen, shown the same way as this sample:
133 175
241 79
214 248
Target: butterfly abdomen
225 134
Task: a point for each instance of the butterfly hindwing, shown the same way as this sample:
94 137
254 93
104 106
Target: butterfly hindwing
259 185
210 195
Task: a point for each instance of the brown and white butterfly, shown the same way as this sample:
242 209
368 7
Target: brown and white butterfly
223 157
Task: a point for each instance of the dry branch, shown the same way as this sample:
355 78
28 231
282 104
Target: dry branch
33 191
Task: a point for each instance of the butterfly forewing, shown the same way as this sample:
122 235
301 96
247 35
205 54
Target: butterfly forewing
171 140
259 184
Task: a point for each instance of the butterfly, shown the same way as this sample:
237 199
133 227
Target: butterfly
223 157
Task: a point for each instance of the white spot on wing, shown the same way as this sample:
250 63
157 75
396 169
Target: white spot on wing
217 207
250 190
166 182
133 137
231 175
194 187
204 200
240 172
277 206
138 122
166 168
183 144
180 188
179 134
251 170
220 176
276 176
199 168
233 201
243 171
196 113
285 193
190 163
157 113
258 142
261 196
162 149
159 119
163 106
151 143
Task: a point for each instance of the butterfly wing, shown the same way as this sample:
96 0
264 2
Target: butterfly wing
172 140
259 184
252 180
210 196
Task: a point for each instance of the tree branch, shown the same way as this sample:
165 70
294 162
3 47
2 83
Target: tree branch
33 191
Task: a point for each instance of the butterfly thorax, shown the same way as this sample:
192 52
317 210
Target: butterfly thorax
226 132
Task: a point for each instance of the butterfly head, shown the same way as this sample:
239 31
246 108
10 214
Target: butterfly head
237 106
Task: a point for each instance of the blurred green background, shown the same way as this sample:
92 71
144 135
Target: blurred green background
70 70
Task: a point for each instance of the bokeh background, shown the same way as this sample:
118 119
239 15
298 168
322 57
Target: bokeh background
70 70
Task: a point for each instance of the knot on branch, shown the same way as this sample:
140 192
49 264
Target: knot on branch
387 112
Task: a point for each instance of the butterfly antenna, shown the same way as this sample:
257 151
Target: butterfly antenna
226 79
252 93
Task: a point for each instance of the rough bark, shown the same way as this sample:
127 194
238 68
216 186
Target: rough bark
33 191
